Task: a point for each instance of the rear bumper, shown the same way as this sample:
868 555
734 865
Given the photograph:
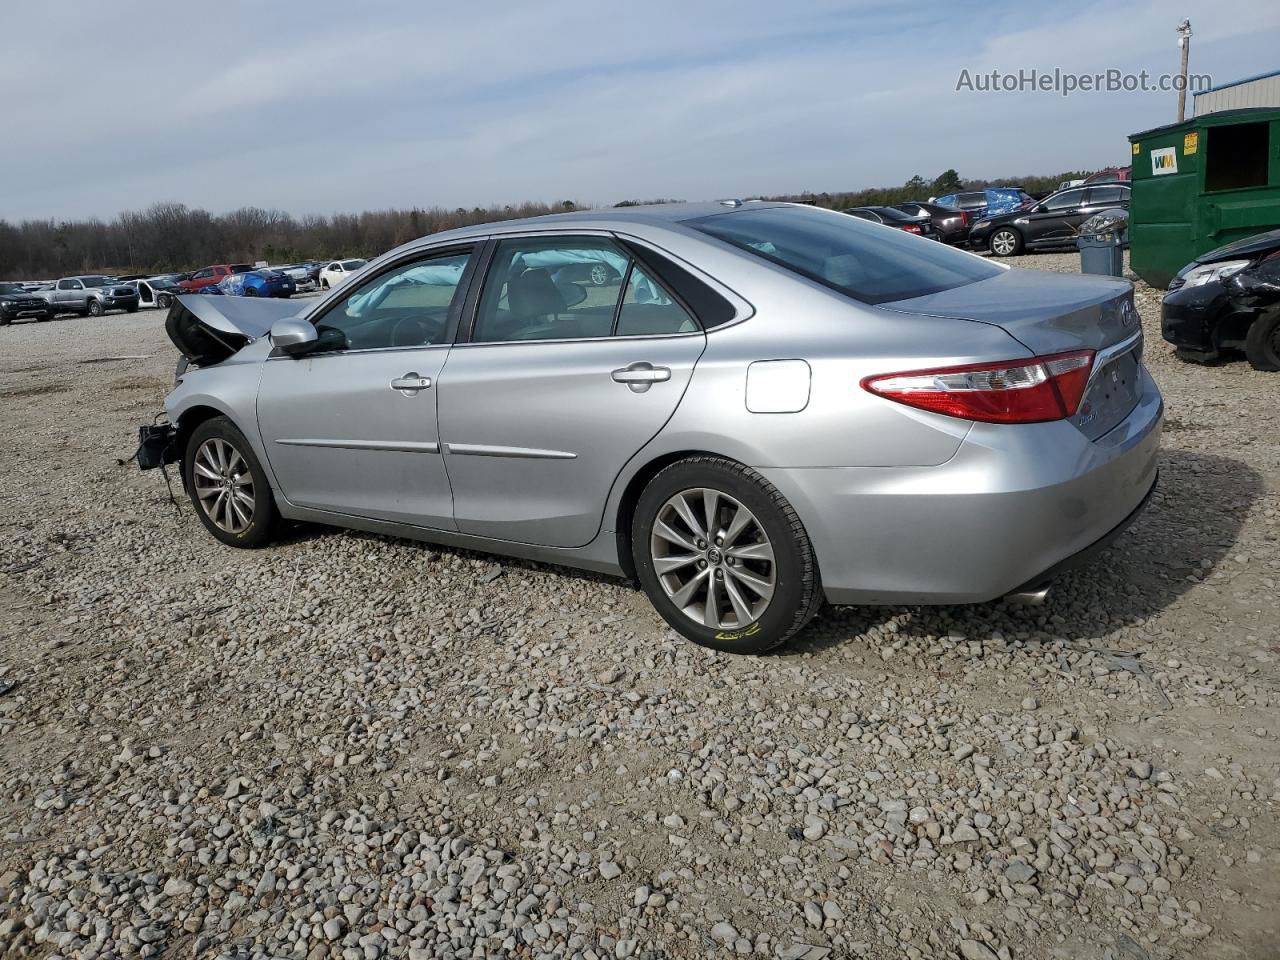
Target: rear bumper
1013 504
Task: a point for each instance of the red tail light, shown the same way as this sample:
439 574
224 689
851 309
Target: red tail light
964 218
911 228
1014 391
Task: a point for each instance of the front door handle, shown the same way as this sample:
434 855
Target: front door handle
410 384
641 376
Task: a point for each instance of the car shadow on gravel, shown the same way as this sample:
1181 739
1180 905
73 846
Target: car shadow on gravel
1189 528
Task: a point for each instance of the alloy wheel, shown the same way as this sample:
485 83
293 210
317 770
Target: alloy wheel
713 559
224 485
599 275
1003 243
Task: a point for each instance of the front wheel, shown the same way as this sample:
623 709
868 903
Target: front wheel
324 284
1262 343
1006 242
228 486
95 309
724 557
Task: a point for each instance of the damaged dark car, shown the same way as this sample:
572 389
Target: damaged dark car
1225 301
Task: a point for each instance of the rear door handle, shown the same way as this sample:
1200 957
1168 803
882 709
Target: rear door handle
410 383
640 376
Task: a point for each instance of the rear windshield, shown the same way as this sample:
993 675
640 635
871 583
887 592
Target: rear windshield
863 260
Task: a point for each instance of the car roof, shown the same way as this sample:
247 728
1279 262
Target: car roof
657 214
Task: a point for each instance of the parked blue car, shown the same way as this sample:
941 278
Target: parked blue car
255 283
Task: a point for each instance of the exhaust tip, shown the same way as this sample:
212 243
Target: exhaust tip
1029 598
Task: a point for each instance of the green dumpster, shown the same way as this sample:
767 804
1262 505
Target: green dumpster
1200 184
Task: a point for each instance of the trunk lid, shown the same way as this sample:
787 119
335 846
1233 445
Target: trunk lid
1054 313
208 330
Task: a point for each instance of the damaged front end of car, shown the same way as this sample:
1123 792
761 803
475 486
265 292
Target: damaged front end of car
207 331
1227 301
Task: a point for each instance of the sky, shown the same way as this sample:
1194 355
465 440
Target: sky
322 107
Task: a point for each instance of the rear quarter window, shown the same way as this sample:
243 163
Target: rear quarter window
851 256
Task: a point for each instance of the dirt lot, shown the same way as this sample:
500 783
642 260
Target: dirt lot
349 746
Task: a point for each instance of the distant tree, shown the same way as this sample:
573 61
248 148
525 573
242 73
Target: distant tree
916 185
948 182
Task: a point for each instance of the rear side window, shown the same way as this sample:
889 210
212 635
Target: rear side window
1108 195
851 256
710 307
574 288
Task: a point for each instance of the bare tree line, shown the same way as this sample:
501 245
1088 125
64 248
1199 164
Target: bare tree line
173 236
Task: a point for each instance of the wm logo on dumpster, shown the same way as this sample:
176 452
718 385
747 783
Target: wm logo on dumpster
1164 160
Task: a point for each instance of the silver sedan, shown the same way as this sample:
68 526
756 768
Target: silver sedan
751 408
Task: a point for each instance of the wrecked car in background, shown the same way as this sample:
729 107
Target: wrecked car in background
1227 299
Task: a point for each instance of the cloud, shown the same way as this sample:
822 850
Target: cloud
328 106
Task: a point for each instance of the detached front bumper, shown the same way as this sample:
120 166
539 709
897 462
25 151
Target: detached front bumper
1005 511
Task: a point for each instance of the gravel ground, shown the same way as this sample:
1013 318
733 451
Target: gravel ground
351 746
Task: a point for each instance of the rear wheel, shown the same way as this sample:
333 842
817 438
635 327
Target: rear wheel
250 292
228 486
324 284
1005 242
1262 344
95 308
723 556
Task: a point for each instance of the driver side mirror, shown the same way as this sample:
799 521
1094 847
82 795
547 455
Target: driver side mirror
294 337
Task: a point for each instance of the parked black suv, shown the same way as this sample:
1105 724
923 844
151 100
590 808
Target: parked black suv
16 302
1051 222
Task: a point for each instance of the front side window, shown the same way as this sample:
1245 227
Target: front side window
845 254
1065 200
407 306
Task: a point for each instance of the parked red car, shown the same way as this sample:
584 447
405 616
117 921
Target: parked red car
1108 175
208 276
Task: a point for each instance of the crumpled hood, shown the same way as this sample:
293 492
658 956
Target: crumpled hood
1240 249
251 317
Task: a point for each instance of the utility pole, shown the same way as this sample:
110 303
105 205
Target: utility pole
1184 41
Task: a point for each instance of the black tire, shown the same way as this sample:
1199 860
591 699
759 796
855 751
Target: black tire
1015 242
5 321
1262 343
264 518
164 301
324 284
94 309
46 317
133 309
250 292
797 593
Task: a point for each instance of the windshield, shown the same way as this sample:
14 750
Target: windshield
11 288
847 254
353 264
96 281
